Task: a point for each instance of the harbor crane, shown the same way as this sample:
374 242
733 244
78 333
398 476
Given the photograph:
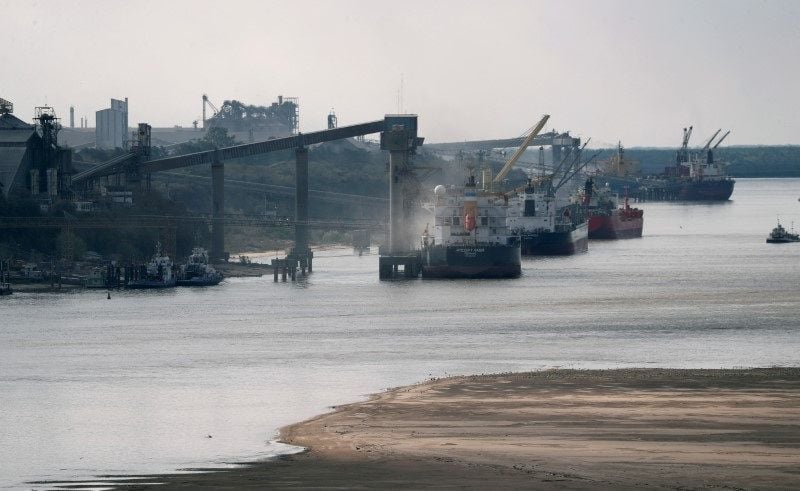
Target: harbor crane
207 101
513 160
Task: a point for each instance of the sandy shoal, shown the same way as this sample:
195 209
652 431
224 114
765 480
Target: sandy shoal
559 429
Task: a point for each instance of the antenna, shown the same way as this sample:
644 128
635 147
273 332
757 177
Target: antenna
402 105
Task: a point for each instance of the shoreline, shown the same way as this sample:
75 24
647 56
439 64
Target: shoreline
573 429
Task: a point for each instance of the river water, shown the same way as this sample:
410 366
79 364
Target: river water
157 381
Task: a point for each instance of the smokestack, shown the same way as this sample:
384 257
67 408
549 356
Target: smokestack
71 116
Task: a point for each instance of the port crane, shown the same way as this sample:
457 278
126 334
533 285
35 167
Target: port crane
524 146
207 102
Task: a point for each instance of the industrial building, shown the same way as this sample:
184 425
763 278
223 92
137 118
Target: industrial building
111 125
30 159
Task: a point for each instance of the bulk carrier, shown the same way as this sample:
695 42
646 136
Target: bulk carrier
696 176
470 237
545 227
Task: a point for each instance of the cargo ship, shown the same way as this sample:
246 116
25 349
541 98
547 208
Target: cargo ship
696 175
607 220
545 227
470 237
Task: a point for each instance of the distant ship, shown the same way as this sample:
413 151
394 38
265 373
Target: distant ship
97 278
197 271
545 227
696 176
780 235
470 239
607 220
155 274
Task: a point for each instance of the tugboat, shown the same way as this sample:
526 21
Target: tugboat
471 238
545 227
197 271
780 235
155 274
607 220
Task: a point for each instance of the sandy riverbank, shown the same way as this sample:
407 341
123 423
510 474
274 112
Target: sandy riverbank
624 429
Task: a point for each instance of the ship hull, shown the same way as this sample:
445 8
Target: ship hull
472 261
148 284
706 190
205 281
674 189
615 226
561 243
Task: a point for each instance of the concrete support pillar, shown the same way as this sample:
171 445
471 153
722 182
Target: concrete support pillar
301 202
397 233
217 209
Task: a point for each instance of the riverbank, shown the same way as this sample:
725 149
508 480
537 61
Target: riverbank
566 429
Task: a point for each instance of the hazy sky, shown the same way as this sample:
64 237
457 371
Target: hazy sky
632 70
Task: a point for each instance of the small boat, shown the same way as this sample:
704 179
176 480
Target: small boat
155 274
97 278
780 235
5 289
197 271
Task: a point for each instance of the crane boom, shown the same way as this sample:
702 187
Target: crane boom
720 140
708 144
513 160
206 100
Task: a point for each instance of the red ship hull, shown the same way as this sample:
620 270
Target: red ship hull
620 224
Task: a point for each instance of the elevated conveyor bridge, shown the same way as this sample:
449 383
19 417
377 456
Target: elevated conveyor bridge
398 135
